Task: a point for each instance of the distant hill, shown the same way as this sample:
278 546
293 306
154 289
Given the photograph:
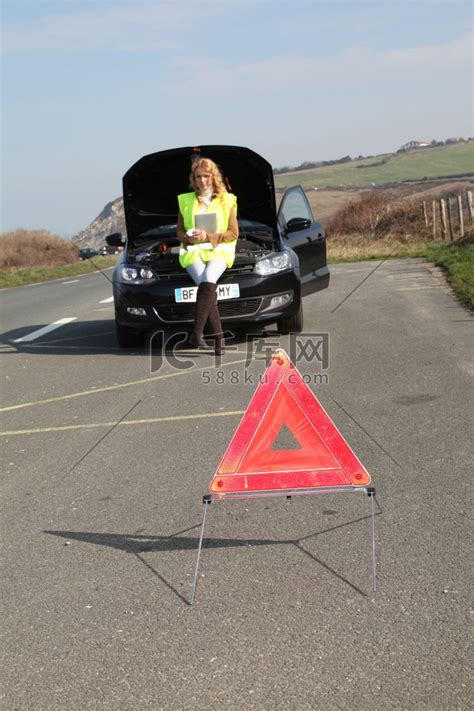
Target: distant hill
423 164
391 168
111 219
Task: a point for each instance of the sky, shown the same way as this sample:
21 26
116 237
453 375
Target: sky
90 86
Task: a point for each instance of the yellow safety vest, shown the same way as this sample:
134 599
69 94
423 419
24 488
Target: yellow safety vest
188 207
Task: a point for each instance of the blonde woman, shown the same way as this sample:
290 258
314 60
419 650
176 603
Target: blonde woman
207 254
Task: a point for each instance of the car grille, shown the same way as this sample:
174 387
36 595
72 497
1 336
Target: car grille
227 309
233 271
244 269
245 307
171 276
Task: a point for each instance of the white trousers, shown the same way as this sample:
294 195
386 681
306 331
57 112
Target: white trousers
206 271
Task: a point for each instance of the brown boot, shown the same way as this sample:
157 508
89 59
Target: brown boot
215 324
204 299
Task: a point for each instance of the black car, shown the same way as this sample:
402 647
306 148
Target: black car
280 256
107 250
87 253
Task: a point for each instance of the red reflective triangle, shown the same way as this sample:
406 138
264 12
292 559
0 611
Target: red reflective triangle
324 458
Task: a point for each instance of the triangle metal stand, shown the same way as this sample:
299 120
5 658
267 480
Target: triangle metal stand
206 500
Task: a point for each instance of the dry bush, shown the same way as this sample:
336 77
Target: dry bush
361 216
21 249
379 215
405 222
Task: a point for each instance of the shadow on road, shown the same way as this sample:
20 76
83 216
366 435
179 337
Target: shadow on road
139 544
98 338
84 337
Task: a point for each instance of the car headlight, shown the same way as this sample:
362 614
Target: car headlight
136 275
271 265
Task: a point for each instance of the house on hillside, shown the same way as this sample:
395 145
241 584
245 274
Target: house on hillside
414 144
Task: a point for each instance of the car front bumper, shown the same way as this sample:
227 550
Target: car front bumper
254 305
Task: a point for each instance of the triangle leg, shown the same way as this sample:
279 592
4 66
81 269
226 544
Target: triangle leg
374 570
196 568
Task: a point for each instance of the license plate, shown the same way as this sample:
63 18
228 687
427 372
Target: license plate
224 291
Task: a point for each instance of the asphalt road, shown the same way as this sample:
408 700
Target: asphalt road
106 457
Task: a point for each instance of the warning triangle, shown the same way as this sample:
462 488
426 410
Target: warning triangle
319 455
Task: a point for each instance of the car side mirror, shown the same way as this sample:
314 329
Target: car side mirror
115 239
296 224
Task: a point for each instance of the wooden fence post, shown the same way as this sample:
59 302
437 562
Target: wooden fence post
461 217
425 215
434 218
450 219
444 226
469 204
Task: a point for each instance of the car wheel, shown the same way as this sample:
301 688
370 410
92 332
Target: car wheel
292 324
126 337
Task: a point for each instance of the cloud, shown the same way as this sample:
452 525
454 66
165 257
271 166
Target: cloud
283 76
141 26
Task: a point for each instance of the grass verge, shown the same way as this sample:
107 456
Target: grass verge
33 275
357 249
456 260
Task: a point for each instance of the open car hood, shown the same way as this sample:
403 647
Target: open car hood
152 184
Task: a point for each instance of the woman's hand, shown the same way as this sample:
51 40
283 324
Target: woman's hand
198 236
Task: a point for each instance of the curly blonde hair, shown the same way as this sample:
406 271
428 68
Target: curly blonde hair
209 166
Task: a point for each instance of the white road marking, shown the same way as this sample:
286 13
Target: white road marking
149 421
73 281
41 331
107 301
109 388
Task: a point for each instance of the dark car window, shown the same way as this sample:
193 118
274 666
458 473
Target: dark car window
294 204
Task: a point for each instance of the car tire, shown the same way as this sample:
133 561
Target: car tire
292 324
127 338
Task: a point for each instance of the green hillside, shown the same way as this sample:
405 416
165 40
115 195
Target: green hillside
442 161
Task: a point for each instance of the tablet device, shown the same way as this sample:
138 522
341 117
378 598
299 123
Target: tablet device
206 221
